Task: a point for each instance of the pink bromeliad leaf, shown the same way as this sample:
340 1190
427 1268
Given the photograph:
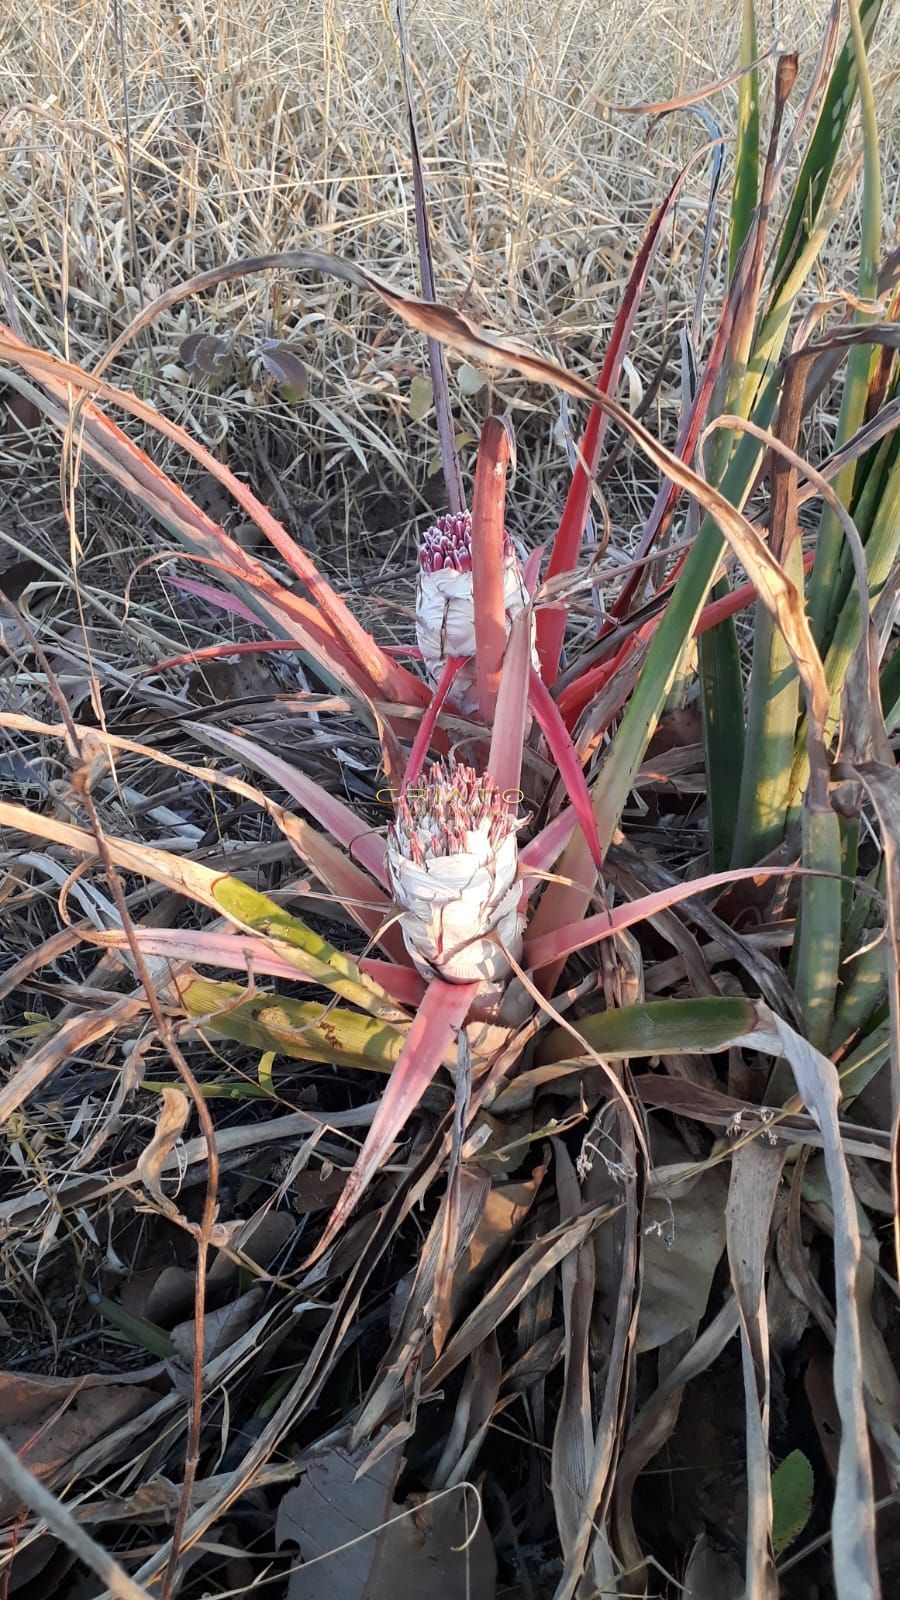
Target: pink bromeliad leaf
251 953
364 845
442 1011
564 941
511 715
563 751
105 442
552 622
489 539
532 570
423 738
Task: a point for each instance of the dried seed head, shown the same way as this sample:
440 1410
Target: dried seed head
453 860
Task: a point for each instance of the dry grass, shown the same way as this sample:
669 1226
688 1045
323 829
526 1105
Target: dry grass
248 127
236 129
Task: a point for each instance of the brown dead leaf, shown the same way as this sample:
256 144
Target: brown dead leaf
474 1410
432 1554
333 1517
573 1438
711 1575
505 1209
220 1328
48 1421
683 1241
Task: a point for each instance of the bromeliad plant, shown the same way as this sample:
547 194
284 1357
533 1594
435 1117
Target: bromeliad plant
473 922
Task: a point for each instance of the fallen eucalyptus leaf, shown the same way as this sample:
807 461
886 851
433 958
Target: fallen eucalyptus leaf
793 1486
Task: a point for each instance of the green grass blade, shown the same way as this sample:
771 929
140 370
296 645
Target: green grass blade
874 488
881 553
818 165
745 191
818 947
823 582
774 695
670 640
869 1056
722 706
773 708
890 692
862 991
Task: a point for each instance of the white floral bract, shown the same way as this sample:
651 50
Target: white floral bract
445 602
453 862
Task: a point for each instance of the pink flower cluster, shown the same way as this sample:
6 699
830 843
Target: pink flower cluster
447 544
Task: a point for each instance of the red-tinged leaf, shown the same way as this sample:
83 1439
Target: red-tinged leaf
736 600
105 442
427 726
572 700
221 652
563 751
363 844
220 599
546 847
488 511
223 895
532 570
443 1010
579 694
510 721
287 610
551 626
552 947
403 984
249 953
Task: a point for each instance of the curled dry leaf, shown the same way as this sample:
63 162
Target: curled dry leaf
169 1128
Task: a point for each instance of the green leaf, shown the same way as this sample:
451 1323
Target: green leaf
722 704
421 398
824 581
470 380
303 1030
793 1486
264 1071
323 962
818 944
746 161
660 1027
815 174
